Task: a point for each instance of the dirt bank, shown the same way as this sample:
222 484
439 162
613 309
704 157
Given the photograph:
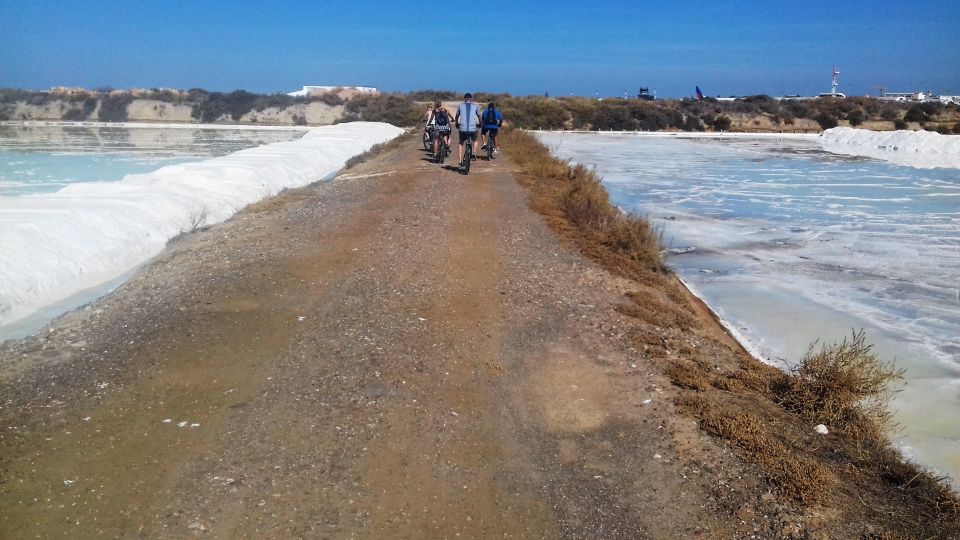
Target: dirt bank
403 352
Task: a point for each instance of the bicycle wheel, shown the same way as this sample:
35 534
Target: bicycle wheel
489 147
427 141
467 156
438 154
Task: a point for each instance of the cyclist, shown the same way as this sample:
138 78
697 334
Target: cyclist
428 129
440 120
492 120
468 127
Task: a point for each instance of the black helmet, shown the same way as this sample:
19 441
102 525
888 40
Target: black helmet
490 105
436 103
468 95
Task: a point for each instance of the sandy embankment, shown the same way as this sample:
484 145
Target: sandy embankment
154 111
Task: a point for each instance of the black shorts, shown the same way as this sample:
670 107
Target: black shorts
465 135
493 131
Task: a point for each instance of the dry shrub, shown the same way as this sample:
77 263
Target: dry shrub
653 309
685 375
798 475
844 384
730 383
585 202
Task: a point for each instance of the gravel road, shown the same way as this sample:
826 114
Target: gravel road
402 352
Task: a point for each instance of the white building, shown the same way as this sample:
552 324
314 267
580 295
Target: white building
318 90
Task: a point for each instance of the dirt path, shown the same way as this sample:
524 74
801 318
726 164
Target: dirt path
404 352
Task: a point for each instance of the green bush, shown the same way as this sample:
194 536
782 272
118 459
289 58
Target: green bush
216 104
692 123
723 123
113 107
826 120
916 113
197 94
330 98
856 117
534 113
889 113
279 101
207 111
433 95
165 95
487 97
612 117
795 108
580 111
899 124
648 117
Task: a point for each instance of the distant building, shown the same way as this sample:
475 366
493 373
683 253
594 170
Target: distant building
68 91
342 91
917 96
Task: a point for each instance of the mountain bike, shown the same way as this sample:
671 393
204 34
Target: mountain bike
428 139
491 144
441 150
467 155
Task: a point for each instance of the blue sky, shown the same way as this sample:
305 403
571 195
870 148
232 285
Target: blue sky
562 47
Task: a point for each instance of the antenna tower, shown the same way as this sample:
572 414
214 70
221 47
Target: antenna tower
836 80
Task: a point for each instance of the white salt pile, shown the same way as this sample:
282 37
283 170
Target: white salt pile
921 149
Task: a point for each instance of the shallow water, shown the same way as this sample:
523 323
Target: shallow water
791 244
38 159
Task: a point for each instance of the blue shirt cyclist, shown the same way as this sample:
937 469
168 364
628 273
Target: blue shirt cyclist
491 121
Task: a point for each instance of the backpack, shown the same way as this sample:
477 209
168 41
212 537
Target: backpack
440 118
490 117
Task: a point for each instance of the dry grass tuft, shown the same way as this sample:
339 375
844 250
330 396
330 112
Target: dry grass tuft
651 308
585 202
798 475
686 375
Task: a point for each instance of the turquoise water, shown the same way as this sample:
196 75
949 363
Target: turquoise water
37 159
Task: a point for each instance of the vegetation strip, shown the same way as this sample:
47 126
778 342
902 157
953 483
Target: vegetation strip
767 414
759 113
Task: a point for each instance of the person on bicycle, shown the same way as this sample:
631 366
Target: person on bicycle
468 126
428 118
440 120
492 120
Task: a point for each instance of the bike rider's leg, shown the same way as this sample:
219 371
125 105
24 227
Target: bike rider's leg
460 147
475 143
